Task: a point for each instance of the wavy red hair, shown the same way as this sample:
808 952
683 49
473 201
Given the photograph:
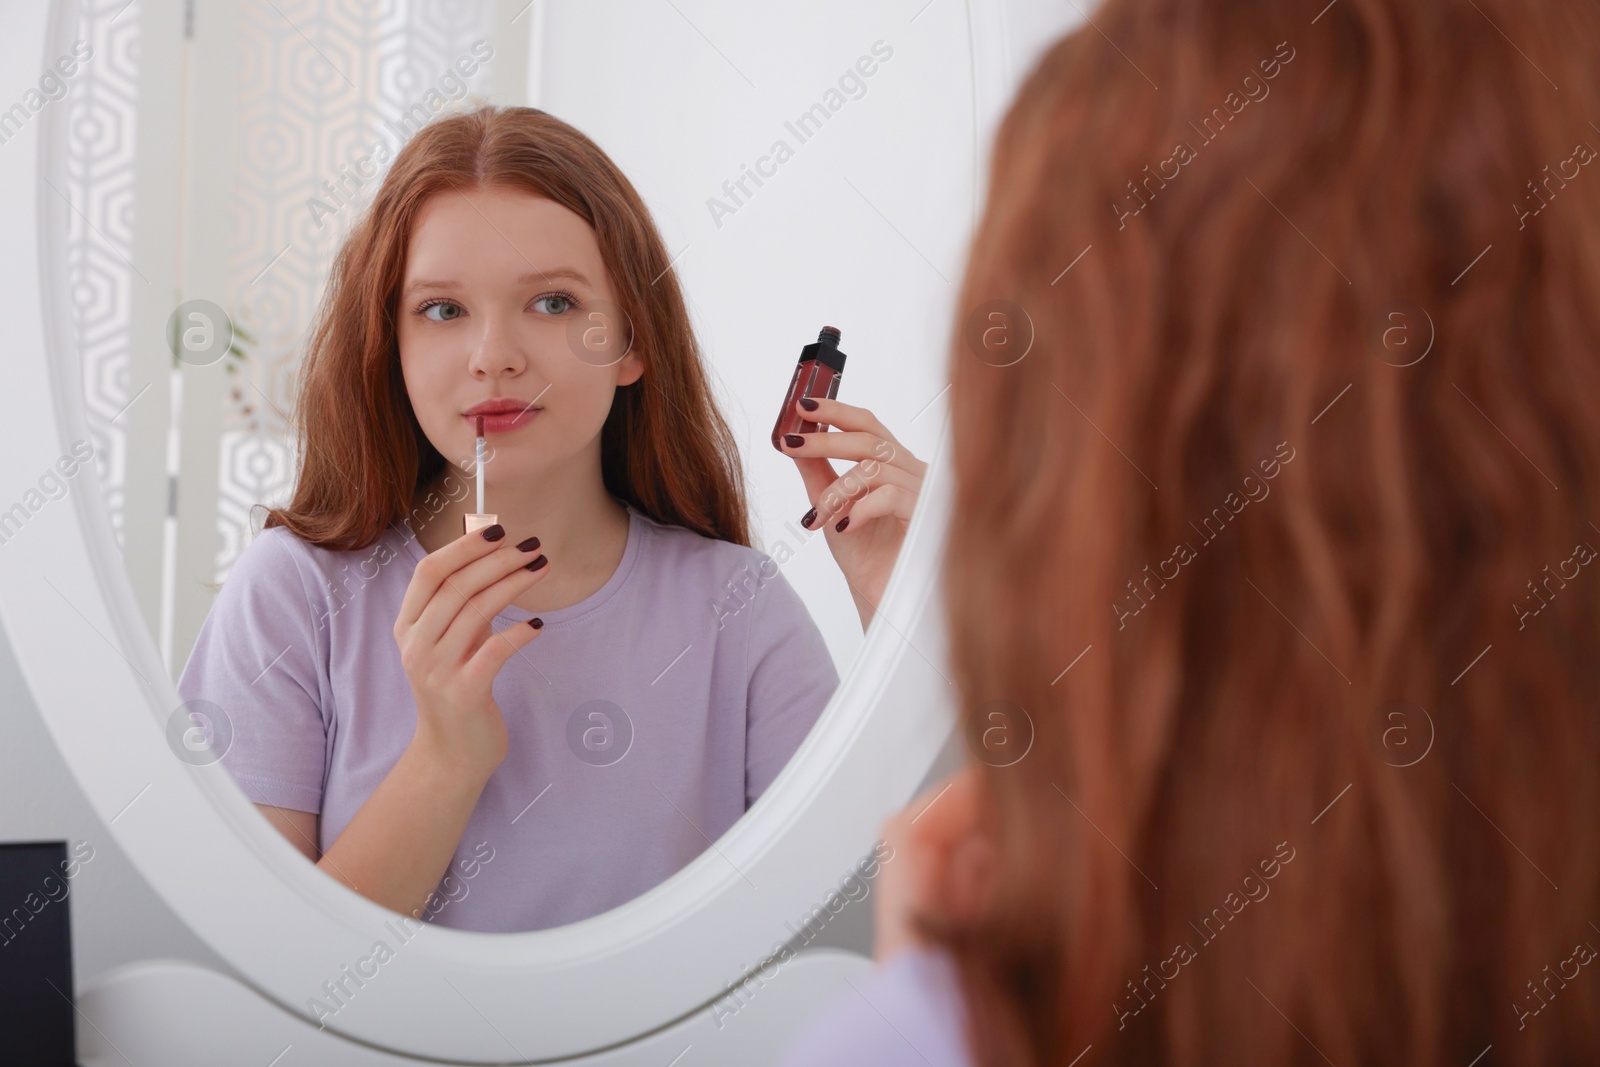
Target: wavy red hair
1394 565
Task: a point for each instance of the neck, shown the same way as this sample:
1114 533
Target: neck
580 526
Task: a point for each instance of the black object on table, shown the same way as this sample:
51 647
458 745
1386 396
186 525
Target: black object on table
38 1024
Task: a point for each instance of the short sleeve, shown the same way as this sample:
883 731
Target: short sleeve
791 679
257 659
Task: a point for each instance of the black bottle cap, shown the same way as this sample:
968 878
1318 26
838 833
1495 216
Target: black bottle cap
825 350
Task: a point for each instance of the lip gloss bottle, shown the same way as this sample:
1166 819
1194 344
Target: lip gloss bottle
818 373
480 518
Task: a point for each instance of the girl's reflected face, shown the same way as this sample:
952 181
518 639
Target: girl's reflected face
506 297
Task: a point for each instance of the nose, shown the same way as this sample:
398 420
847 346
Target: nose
496 349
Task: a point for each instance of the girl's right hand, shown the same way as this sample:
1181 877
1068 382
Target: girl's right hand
449 651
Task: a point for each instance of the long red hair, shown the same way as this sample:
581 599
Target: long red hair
665 447
1304 464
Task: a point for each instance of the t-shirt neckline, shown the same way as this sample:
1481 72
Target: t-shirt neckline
630 554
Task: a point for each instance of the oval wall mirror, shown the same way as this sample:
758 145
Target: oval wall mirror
217 152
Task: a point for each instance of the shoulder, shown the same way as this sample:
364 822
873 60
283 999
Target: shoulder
729 578
692 553
908 1012
274 555
279 559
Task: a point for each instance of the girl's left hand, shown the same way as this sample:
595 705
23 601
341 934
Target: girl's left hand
942 864
865 511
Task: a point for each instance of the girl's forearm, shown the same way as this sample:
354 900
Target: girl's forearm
399 844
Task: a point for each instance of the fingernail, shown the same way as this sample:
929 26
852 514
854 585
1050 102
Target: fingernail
529 545
494 533
810 517
536 623
537 563
842 523
793 440
807 403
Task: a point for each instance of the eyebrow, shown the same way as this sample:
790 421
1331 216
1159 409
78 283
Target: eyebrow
526 278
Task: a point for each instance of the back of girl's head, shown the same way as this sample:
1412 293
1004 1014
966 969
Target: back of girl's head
665 447
1280 535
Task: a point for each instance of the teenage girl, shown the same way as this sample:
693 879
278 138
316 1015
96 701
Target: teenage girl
523 726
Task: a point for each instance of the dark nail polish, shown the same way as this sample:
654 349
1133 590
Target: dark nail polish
537 563
793 440
494 533
536 623
810 517
842 523
529 545
807 403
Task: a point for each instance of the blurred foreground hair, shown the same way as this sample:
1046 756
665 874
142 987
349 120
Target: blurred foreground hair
1304 462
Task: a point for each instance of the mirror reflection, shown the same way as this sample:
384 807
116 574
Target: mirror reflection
490 597
533 685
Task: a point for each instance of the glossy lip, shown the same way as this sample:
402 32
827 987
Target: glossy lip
503 421
500 405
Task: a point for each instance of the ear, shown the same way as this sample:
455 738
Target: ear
631 369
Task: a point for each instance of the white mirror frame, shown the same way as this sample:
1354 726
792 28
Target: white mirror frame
94 670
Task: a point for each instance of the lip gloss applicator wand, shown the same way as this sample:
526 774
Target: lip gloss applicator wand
479 520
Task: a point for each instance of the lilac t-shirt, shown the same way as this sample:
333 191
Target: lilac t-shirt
909 1013
642 722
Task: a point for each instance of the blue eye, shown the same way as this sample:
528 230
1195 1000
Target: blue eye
447 310
566 299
